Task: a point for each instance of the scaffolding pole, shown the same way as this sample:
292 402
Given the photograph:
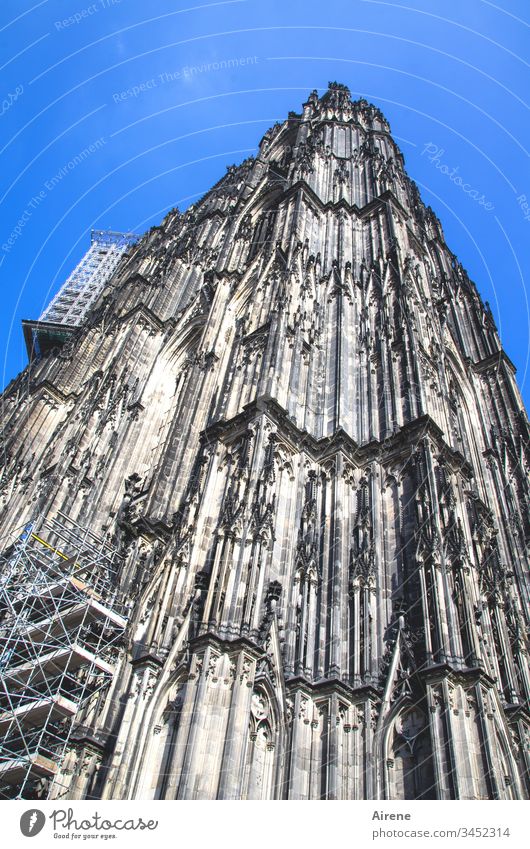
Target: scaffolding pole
62 625
81 288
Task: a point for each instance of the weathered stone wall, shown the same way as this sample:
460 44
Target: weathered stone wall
291 410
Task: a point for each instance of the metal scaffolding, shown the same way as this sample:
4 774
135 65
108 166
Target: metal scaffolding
61 628
80 290
68 308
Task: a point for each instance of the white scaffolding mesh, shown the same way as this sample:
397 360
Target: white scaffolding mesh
61 628
80 290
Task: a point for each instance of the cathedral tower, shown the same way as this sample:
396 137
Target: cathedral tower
290 416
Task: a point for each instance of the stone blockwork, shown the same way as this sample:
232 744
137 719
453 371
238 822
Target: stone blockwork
291 410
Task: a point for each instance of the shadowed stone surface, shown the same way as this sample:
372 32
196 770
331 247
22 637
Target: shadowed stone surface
291 410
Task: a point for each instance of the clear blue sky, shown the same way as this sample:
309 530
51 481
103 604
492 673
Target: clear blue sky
453 75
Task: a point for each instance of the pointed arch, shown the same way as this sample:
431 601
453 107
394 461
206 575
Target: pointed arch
407 752
259 778
466 423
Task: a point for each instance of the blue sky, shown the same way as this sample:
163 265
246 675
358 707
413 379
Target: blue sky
451 77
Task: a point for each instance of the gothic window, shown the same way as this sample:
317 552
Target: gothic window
259 769
164 733
465 432
340 141
410 772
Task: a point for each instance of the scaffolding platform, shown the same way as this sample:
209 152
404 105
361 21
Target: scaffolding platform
54 626
34 713
69 658
62 624
16 770
69 307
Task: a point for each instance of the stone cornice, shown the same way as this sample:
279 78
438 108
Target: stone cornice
146 313
394 448
223 644
438 671
56 393
95 741
328 686
492 362
334 206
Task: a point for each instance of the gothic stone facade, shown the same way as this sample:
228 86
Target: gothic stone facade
291 411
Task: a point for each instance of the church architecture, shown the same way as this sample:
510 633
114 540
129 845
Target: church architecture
290 415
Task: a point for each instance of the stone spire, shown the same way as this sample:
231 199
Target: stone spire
291 411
